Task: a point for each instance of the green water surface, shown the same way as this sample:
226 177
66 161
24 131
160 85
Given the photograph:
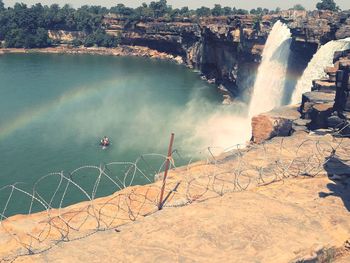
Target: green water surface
55 108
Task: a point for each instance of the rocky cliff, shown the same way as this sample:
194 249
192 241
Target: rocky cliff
221 46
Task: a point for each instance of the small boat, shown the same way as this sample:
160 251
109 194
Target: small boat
105 142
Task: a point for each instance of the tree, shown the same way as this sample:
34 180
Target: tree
253 12
242 11
227 10
184 11
159 8
143 12
122 10
217 10
298 7
259 11
2 6
256 24
203 11
327 5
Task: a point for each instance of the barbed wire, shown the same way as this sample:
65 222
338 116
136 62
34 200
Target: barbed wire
51 219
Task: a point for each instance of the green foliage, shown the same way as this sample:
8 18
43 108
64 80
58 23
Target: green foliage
23 26
203 11
259 11
142 12
298 7
327 5
242 12
159 8
2 6
76 43
257 24
122 10
101 39
217 10
21 38
227 11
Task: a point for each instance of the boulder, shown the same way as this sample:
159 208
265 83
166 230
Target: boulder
278 122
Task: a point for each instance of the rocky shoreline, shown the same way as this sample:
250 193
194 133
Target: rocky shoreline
123 50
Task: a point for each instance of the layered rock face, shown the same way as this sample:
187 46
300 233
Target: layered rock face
327 106
340 118
216 46
219 46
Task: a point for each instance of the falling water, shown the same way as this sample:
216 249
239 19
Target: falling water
315 69
270 81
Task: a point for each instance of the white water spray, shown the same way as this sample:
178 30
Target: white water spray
315 68
270 81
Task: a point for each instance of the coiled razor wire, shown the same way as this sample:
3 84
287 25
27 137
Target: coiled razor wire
237 169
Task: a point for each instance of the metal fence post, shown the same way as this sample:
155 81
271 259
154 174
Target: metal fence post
167 164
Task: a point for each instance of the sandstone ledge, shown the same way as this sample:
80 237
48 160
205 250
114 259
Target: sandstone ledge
286 222
278 218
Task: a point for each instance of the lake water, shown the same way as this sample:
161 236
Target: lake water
55 108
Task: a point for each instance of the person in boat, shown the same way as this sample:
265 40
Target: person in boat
105 141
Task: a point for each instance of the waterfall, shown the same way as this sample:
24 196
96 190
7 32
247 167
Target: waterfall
315 68
270 81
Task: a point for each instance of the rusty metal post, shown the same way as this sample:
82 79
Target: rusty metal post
167 164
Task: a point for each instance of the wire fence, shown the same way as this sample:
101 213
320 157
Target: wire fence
237 169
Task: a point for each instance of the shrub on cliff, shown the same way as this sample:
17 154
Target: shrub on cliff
21 26
101 39
298 7
19 38
259 11
203 11
327 5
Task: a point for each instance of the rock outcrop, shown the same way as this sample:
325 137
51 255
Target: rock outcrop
340 119
278 122
317 107
215 46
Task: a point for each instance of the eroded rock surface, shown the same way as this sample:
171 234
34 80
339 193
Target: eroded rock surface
278 223
267 203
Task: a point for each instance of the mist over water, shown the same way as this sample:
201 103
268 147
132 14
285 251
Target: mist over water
55 108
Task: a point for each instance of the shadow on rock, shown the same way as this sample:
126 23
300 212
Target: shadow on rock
338 171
